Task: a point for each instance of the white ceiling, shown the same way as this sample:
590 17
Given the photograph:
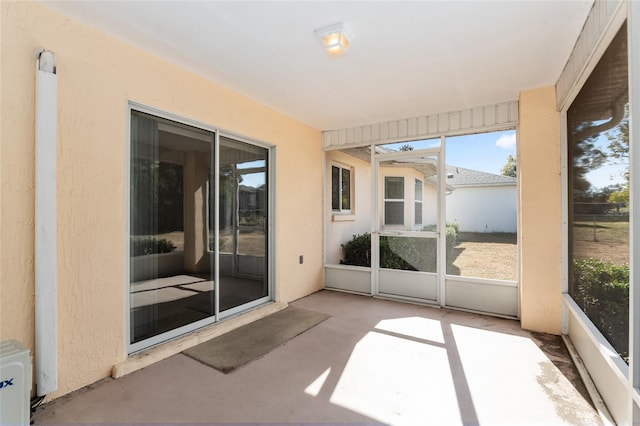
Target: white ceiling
406 59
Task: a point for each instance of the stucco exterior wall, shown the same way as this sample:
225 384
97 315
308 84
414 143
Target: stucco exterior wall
540 209
409 175
97 76
341 228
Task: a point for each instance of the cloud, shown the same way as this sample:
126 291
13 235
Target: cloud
507 141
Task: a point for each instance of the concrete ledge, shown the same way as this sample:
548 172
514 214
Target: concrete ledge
170 348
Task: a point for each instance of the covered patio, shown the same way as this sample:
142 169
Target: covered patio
172 171
372 361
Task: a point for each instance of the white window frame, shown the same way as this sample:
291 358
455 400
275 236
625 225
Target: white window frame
419 186
351 171
394 200
133 348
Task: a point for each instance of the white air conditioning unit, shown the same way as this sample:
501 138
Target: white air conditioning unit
15 384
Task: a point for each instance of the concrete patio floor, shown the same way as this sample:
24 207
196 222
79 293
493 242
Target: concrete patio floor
373 361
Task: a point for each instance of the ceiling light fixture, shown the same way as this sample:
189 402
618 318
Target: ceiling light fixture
335 38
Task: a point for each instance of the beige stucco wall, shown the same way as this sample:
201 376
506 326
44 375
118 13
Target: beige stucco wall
540 211
97 75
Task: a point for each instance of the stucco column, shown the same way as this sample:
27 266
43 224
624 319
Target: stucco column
540 207
195 178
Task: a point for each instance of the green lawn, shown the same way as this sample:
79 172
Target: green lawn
605 238
600 230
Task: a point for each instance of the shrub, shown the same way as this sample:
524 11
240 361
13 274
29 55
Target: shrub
150 245
452 231
405 253
357 252
601 289
408 253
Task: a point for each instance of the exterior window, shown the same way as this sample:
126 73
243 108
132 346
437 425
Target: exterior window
418 202
393 200
598 162
340 189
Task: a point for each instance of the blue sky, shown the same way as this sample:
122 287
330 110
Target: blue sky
607 174
486 152
254 180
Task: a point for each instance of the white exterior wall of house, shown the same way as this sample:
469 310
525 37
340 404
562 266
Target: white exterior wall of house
428 201
430 204
494 208
342 227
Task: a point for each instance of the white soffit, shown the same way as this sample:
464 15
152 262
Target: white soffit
407 59
601 16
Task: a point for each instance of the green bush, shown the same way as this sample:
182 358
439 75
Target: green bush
452 232
601 289
150 245
357 252
408 253
405 253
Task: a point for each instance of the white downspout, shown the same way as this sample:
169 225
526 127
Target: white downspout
46 295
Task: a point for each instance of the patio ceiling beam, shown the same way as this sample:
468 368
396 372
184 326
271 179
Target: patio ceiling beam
487 118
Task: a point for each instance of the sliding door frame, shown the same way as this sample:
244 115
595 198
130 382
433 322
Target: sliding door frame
217 132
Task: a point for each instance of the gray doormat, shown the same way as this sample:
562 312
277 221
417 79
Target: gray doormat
242 345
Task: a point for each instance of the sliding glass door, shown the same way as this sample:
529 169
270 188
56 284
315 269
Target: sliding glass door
182 201
243 223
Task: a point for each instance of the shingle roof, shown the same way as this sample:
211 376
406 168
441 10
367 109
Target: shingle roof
459 176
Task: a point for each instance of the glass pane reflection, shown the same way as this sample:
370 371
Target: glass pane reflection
598 143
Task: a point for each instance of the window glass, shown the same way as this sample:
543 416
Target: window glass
335 188
341 188
173 205
243 231
171 275
598 145
346 189
394 188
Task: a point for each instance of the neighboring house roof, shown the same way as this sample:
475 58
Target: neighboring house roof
459 176
456 176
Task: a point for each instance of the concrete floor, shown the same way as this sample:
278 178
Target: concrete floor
374 361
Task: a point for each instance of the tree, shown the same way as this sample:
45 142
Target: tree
619 138
619 147
587 156
510 169
621 196
406 147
